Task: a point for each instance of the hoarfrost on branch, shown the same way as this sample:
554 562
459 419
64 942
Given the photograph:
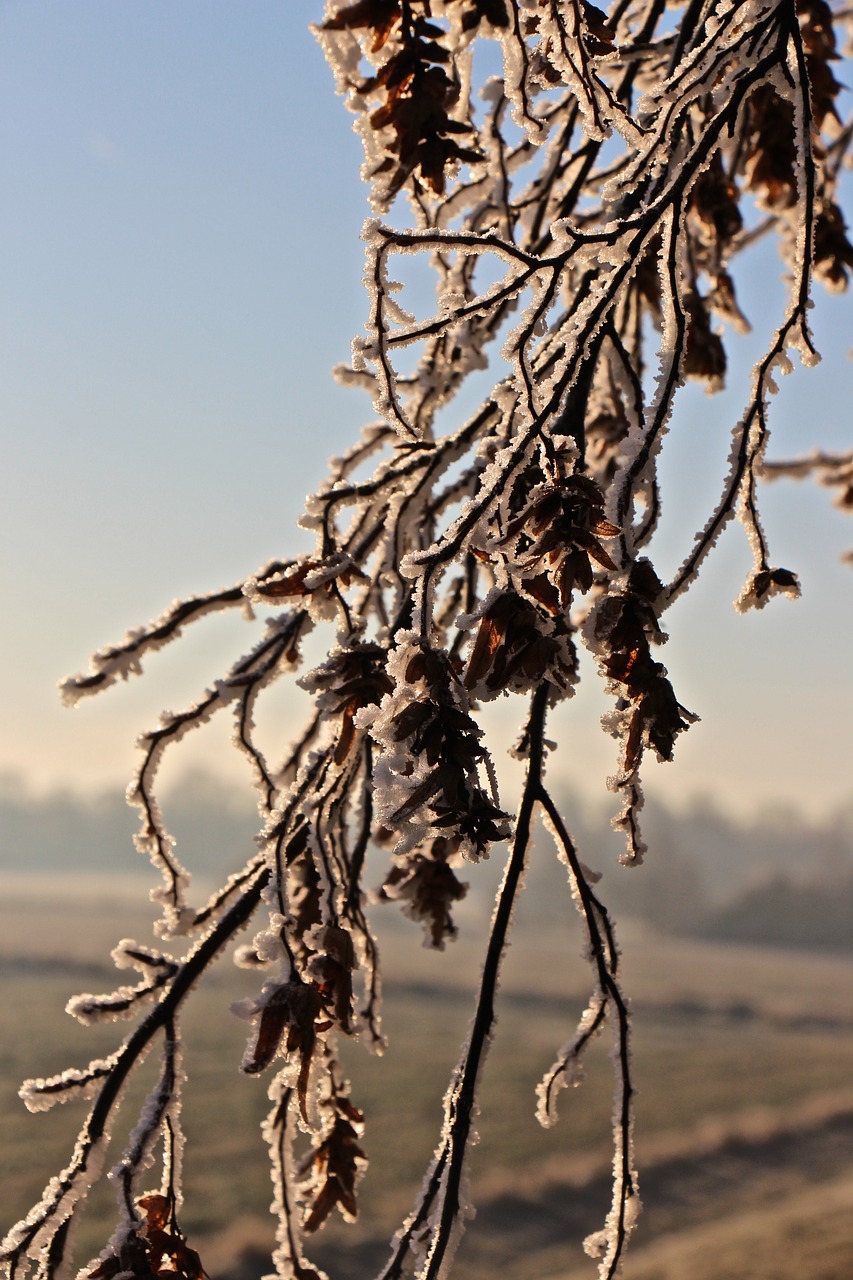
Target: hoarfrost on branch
583 215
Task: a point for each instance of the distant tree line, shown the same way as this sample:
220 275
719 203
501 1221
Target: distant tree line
785 883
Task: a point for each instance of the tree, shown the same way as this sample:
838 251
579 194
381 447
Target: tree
587 211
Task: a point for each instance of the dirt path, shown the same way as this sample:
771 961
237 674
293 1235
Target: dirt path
804 1236
708 1201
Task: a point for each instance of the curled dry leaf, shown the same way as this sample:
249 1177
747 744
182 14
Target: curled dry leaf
156 1251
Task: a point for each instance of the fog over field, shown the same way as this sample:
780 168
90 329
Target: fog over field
780 879
737 941
743 1062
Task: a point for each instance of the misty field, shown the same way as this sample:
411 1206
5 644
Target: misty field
744 1062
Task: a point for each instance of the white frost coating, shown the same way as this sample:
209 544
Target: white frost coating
121 661
556 663
36 1232
395 313
493 488
802 342
242 683
762 587
129 954
627 820
125 1002
519 90
712 67
603 1244
41 1094
607 1003
724 512
610 1244
561 47
749 442
275 1130
346 376
266 949
567 1070
344 54
781 363
466 321
59 1200
158 1119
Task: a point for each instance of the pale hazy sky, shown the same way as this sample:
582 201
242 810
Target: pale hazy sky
181 268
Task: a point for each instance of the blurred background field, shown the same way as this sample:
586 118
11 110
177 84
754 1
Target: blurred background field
743 1060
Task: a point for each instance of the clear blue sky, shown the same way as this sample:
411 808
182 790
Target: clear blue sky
181 268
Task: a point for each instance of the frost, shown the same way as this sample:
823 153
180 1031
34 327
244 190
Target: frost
156 969
583 223
42 1094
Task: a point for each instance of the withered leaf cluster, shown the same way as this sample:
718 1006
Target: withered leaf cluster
556 539
330 1172
627 625
765 584
516 648
289 1020
426 885
770 149
349 681
157 1250
417 93
433 727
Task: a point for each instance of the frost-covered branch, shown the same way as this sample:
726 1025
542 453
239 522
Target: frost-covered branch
585 217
